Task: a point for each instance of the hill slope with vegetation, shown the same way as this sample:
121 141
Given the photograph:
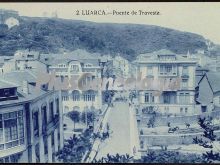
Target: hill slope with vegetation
129 40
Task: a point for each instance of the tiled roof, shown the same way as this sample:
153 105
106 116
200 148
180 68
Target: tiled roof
19 76
6 84
214 80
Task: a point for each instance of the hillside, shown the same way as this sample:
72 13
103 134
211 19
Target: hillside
52 35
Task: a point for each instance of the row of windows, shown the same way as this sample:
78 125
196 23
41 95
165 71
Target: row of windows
45 119
167 69
11 129
86 97
45 143
184 98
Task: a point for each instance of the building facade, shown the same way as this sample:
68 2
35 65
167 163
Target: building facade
30 123
83 72
169 83
209 92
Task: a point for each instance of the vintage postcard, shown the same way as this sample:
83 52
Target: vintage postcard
110 82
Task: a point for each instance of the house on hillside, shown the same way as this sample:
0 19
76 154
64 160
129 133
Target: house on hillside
9 17
209 91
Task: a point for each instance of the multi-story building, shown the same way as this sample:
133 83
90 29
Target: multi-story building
168 83
30 120
84 71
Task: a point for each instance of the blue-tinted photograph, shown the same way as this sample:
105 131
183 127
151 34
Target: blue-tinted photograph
109 82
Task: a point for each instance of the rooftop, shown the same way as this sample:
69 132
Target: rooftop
214 80
19 76
154 57
6 84
15 79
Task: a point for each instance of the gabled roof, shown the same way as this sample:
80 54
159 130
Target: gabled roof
6 84
214 80
154 57
18 77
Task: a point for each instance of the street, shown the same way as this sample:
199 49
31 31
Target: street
119 141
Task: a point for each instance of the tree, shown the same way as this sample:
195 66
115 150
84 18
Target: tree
90 117
3 30
151 122
207 140
170 157
74 116
115 159
75 148
108 95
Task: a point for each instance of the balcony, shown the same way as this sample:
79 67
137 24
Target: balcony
168 74
185 76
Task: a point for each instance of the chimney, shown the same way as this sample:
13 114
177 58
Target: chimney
25 88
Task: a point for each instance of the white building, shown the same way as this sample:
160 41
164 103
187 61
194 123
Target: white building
121 66
30 120
168 83
84 71
11 22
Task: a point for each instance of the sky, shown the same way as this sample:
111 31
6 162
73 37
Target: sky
197 17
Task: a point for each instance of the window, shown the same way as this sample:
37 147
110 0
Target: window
57 106
149 98
44 118
45 145
185 70
76 96
88 65
74 68
51 112
142 144
184 83
1 130
167 99
37 152
65 98
166 57
36 123
89 96
58 136
149 71
168 69
11 129
61 65
204 108
52 139
184 98
219 99
181 110
186 110
7 92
